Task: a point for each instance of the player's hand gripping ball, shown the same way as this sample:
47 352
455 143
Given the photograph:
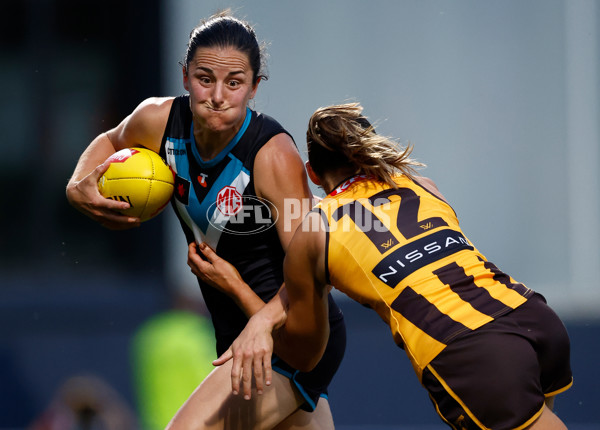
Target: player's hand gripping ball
141 178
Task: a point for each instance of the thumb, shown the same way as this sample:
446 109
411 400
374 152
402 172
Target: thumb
101 169
224 358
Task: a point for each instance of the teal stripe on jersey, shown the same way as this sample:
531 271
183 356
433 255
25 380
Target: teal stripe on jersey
229 176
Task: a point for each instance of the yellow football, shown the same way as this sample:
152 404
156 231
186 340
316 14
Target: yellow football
141 178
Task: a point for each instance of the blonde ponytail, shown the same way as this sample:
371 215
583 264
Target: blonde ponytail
340 136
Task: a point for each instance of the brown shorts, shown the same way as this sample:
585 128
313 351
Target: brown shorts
498 376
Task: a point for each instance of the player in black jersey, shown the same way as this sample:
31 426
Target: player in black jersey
490 352
234 169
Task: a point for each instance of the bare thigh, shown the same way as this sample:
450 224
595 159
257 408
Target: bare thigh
320 419
548 420
213 406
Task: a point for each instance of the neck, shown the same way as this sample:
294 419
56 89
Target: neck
332 179
210 143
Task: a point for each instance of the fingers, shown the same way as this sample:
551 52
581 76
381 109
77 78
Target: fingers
258 374
85 196
208 252
241 375
107 213
247 377
224 358
113 205
268 369
247 368
194 258
107 203
236 371
195 251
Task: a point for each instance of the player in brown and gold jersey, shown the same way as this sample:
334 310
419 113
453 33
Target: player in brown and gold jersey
489 350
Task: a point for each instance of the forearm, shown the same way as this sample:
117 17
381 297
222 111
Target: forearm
301 341
94 155
246 299
274 311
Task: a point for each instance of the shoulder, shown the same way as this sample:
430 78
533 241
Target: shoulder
154 106
264 128
430 186
278 165
314 222
152 113
145 125
279 148
267 120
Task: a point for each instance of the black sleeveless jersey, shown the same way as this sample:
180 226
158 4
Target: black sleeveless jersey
216 203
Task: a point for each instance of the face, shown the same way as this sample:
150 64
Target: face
220 84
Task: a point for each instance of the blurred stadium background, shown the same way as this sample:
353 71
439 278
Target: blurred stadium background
501 100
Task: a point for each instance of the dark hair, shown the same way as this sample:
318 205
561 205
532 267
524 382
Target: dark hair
223 30
340 138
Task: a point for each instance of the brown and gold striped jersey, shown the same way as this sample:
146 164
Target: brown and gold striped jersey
402 253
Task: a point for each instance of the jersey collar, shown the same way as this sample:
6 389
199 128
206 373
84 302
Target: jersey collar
225 150
345 184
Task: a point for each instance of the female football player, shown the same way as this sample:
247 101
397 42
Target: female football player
489 350
230 162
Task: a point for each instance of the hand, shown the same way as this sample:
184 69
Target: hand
213 270
84 196
251 353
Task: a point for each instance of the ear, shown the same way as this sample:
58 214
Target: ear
311 174
254 89
186 82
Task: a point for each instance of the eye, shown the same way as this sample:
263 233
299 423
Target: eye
233 83
204 80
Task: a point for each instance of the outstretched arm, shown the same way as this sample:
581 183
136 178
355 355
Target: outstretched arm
222 275
301 341
301 334
256 346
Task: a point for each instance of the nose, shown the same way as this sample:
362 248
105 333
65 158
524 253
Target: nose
217 94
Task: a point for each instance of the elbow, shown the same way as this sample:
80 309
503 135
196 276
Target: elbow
306 364
303 363
304 356
301 356
302 347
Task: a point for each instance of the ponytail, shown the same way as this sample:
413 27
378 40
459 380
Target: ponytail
340 137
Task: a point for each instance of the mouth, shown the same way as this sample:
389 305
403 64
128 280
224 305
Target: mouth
216 109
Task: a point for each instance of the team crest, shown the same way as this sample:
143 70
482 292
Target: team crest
229 201
182 189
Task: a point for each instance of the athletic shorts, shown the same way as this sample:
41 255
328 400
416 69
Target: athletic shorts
498 376
313 385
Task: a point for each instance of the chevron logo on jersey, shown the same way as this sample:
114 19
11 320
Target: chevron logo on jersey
206 213
207 208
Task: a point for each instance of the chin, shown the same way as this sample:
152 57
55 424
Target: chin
219 126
